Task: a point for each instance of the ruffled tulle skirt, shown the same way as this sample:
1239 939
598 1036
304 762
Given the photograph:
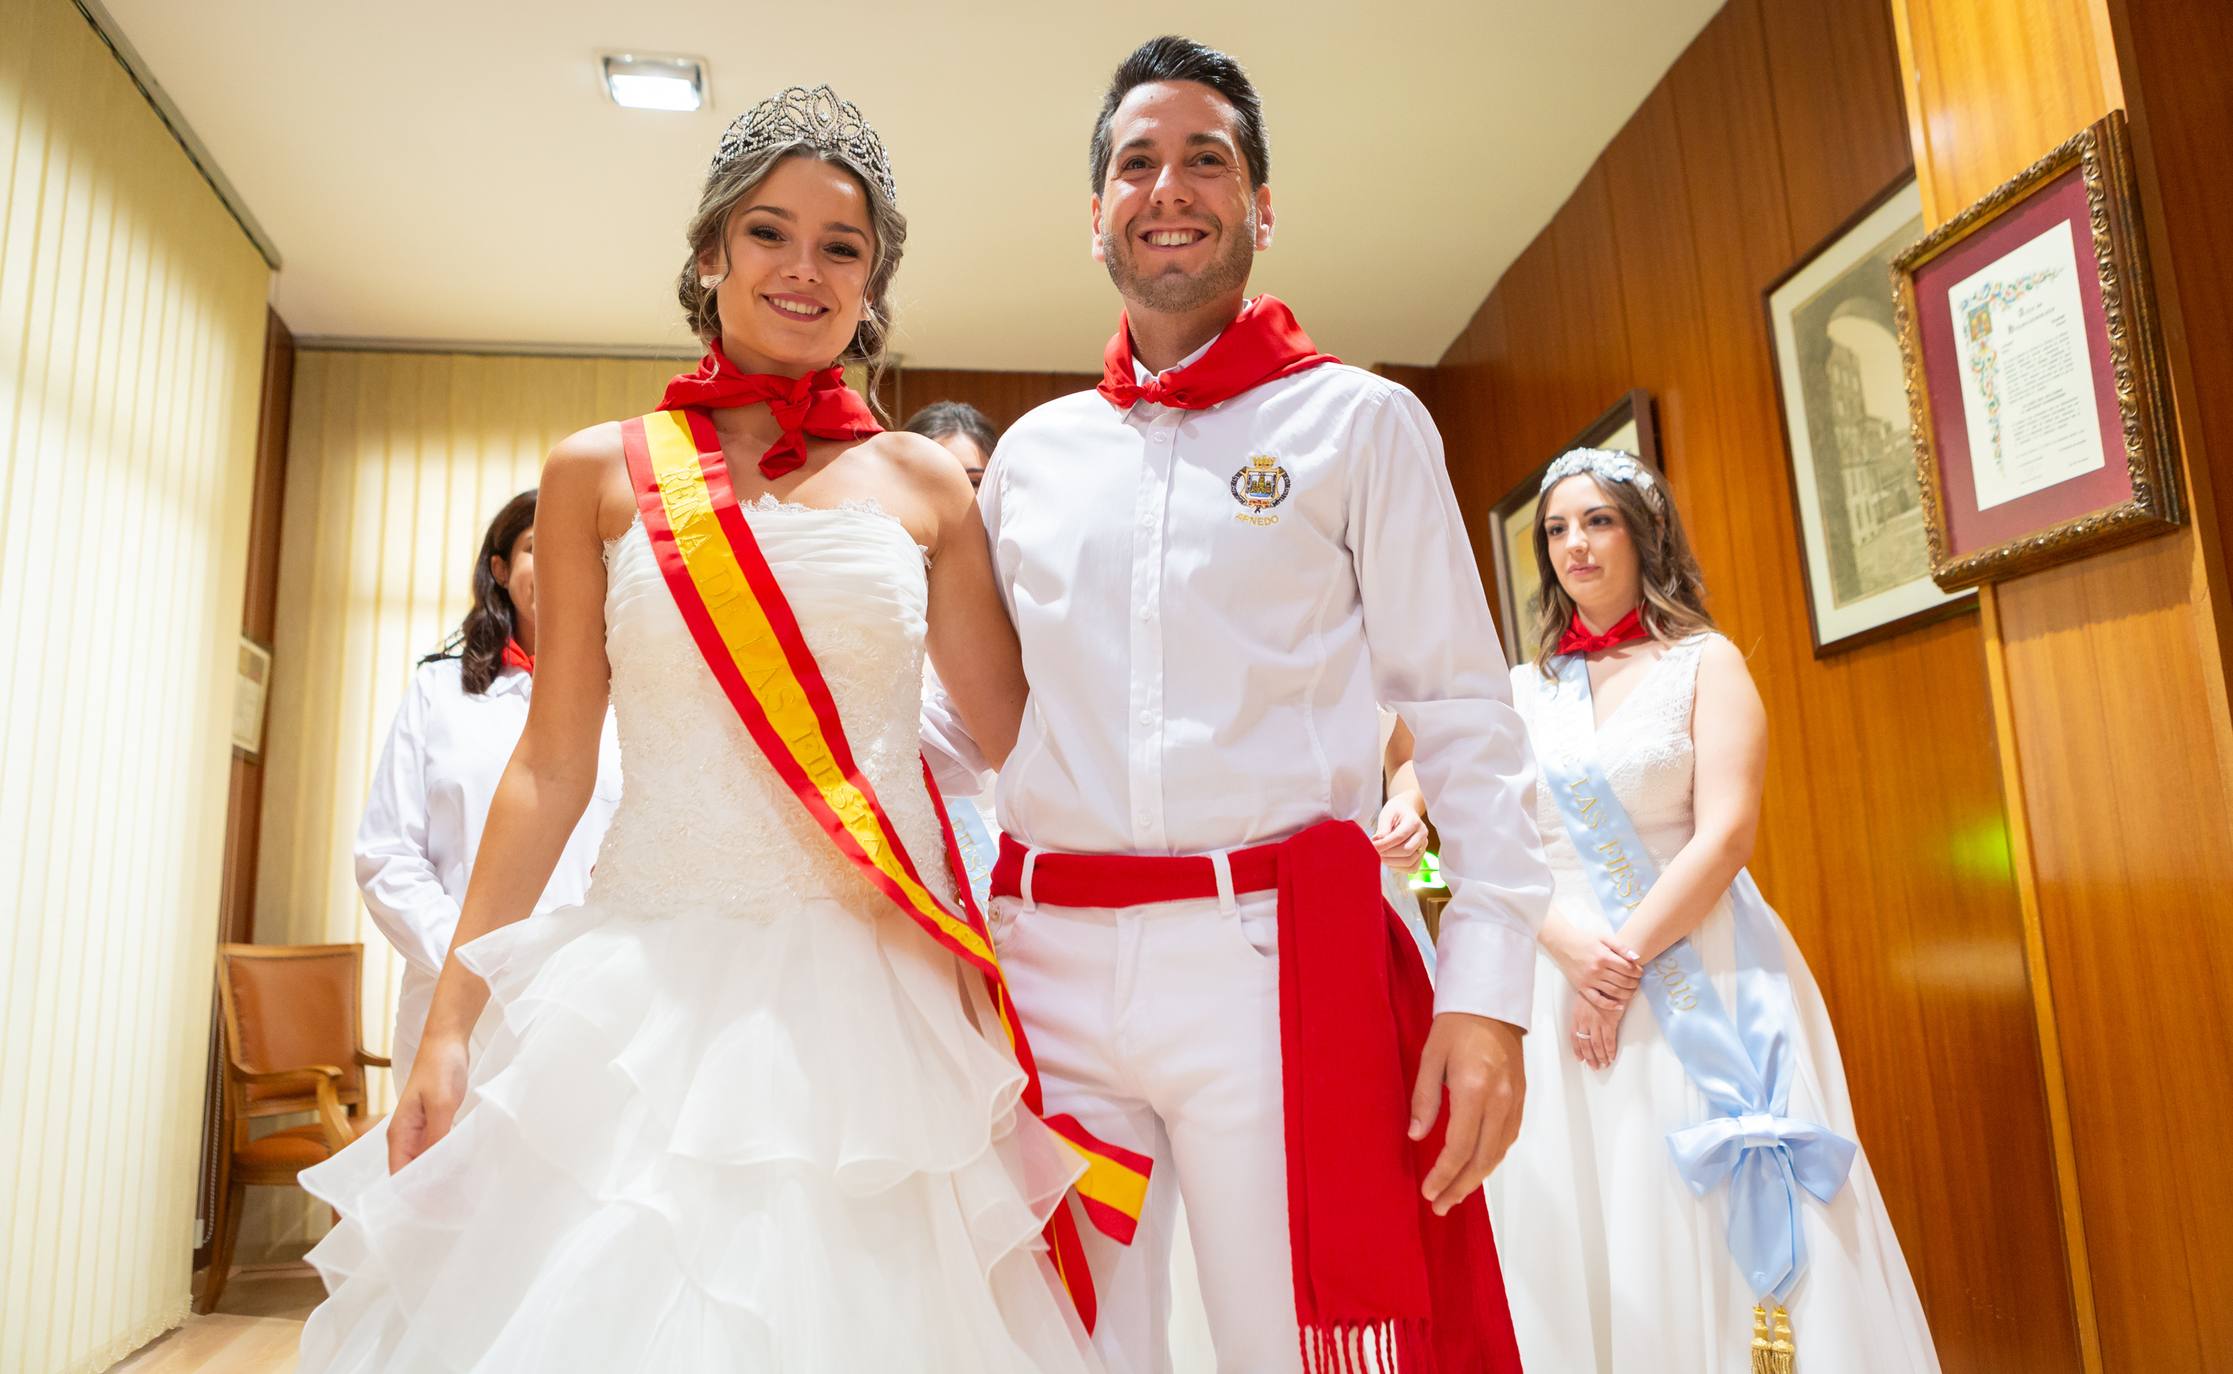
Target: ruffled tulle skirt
697 1142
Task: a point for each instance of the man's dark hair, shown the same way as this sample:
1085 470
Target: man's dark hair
940 419
1171 58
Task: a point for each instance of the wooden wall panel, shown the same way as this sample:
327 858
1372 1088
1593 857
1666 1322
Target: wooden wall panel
1886 843
259 610
2111 677
1830 145
1003 396
1468 406
1589 335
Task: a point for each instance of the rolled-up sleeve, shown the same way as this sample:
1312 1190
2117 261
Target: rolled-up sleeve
1437 663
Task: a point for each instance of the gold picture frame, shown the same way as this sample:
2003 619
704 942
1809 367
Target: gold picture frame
2132 492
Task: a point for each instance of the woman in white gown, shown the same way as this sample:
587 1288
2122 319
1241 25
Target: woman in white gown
735 1112
1615 1264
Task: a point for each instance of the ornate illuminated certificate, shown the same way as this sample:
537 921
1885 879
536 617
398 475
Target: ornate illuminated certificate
2027 386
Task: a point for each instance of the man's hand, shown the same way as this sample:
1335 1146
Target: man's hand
1478 1060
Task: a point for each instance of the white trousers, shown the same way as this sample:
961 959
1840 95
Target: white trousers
1158 1028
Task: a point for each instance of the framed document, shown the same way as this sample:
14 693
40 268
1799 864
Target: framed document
2035 377
1832 324
1629 426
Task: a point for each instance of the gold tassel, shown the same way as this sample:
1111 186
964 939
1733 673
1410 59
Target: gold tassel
1762 1352
1783 1356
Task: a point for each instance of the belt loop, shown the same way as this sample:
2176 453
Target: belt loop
1226 905
1023 886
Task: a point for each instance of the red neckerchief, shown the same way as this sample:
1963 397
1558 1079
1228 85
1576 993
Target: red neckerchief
516 657
1579 640
1262 344
818 405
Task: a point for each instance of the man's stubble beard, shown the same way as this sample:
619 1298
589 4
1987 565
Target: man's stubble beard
1174 293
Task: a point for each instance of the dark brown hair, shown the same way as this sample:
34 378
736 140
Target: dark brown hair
1171 58
1674 600
489 626
940 419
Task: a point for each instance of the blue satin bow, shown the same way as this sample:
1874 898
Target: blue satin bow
1764 1159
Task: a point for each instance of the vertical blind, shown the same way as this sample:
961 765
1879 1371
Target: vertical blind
396 463
131 341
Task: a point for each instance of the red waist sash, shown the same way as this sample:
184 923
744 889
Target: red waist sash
1378 1275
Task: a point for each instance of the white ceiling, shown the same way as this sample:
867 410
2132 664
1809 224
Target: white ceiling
450 171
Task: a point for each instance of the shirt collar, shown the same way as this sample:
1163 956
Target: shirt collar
1143 376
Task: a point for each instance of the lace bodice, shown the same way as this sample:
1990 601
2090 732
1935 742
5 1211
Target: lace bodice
704 822
1644 748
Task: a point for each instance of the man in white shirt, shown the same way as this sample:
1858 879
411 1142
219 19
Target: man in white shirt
1218 564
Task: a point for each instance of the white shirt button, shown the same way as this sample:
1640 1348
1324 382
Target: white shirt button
1147 718
1160 436
1146 614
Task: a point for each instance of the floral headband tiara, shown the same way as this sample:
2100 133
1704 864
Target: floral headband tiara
816 118
1606 465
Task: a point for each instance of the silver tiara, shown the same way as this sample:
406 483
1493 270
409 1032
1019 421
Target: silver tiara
1608 464
816 118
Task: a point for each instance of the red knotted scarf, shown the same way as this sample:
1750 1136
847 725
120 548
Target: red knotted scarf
1580 639
516 657
818 405
1262 344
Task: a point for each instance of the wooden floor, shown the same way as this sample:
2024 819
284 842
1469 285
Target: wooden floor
254 1331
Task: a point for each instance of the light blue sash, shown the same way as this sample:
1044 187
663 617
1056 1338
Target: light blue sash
975 842
1743 1067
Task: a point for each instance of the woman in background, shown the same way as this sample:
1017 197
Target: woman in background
1687 1194
448 746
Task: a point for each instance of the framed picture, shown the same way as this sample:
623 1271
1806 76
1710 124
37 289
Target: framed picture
1833 328
251 686
1629 426
2036 382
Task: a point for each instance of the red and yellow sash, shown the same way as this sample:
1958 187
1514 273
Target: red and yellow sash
743 625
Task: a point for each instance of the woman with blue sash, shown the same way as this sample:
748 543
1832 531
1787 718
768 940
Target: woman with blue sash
1687 1194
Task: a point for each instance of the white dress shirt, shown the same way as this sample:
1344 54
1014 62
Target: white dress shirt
423 818
1212 602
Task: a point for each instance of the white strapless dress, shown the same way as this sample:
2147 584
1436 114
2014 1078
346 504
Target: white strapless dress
1612 1265
734 1113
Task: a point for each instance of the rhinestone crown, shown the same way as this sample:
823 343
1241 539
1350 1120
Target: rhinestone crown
1606 464
816 118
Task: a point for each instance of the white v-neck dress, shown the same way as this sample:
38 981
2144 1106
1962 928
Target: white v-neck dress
1611 1263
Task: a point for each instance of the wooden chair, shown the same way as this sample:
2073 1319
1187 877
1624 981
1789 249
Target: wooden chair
292 1045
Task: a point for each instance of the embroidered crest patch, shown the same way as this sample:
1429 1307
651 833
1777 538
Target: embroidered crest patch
1260 485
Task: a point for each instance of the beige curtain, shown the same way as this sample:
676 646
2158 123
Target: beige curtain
396 463
131 347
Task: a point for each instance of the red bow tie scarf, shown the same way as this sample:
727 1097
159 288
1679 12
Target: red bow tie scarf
818 405
1580 639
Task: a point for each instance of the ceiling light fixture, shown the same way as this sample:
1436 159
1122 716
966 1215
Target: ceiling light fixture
640 82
